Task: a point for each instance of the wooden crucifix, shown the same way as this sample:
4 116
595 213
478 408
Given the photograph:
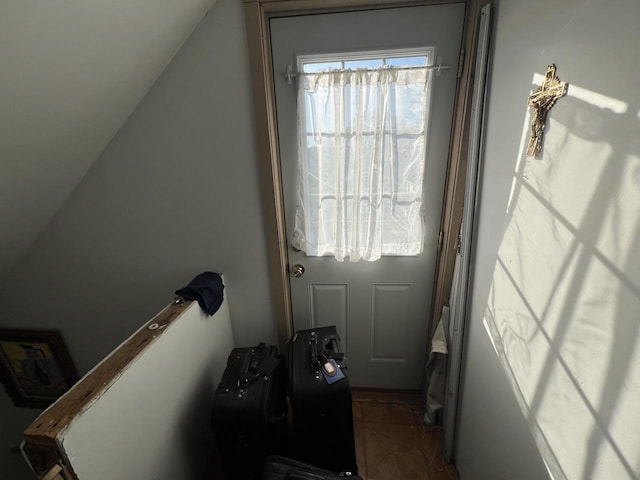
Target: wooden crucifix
541 102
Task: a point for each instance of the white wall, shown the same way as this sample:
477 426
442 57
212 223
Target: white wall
174 194
13 421
72 72
552 371
153 421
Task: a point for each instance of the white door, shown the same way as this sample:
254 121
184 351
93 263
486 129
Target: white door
381 308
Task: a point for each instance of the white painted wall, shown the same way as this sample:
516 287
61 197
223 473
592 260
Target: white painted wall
552 371
14 421
72 72
153 422
175 193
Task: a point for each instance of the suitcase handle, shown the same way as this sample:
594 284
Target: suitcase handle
315 361
243 370
259 366
330 348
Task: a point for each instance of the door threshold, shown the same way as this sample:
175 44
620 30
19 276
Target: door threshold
414 397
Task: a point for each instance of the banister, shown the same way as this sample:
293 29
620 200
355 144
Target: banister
42 437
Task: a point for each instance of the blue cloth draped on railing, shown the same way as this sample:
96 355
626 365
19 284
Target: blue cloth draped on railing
207 288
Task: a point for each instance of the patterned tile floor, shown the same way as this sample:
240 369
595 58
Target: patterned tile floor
393 443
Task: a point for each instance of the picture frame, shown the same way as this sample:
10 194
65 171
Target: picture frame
35 366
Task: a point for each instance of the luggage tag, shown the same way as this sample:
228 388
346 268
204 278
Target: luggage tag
331 371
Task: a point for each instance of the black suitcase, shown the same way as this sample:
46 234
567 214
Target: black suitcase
249 412
282 468
322 411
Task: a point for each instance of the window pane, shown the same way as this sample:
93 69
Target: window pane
320 67
362 146
354 64
407 61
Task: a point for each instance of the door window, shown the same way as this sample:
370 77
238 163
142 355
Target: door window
362 136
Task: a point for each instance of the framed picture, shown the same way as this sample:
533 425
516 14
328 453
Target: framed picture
35 366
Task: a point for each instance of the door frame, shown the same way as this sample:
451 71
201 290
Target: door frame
257 14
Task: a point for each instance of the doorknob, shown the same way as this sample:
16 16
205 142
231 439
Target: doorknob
297 270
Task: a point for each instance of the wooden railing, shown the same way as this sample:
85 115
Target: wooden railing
48 438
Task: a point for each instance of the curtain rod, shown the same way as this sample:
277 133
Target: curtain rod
289 74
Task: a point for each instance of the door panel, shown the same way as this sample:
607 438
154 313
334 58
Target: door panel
389 338
329 305
381 308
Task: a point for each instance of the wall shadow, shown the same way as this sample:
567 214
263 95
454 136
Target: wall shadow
566 286
194 444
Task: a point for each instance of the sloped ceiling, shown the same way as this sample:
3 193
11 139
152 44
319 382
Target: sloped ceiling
71 72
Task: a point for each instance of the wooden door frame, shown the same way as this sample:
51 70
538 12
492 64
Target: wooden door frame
257 14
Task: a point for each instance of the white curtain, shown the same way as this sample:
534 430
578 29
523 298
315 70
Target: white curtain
361 148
